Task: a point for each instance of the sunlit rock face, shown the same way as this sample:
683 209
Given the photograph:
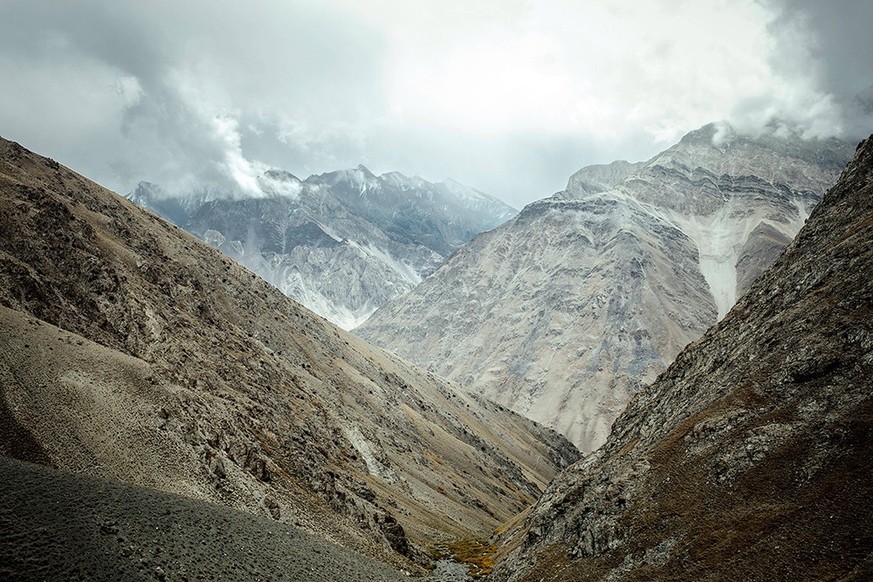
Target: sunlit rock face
565 311
341 243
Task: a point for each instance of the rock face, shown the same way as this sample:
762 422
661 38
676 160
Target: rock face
564 311
750 457
131 350
341 243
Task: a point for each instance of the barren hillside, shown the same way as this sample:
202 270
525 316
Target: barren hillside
131 350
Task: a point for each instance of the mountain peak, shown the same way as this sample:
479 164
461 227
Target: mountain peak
284 175
280 183
365 171
599 178
146 191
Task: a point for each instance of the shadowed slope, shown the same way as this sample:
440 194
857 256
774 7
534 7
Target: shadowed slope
111 531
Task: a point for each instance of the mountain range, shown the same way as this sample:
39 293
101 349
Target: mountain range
132 354
568 309
341 243
131 350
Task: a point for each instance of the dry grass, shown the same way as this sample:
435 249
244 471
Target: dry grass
476 554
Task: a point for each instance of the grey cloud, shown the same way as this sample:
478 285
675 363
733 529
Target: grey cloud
194 62
181 93
301 81
840 46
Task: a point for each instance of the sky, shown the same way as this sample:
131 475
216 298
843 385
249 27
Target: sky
508 96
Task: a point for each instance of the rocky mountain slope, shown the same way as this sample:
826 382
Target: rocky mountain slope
562 312
131 350
750 457
341 243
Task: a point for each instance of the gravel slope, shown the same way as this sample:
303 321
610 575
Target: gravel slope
60 526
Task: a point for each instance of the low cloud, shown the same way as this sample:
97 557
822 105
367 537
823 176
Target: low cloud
159 91
824 76
508 96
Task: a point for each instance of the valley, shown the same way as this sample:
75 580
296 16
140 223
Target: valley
569 309
447 291
141 364
130 350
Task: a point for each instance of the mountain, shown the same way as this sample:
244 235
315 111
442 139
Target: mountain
750 457
440 216
342 243
131 350
562 313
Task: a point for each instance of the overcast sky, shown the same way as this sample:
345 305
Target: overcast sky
509 96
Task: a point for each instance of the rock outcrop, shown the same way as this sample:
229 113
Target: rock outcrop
131 350
750 457
562 313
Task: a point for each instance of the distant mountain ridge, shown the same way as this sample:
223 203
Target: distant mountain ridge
342 243
562 312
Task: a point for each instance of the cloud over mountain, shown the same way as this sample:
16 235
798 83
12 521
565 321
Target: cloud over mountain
197 95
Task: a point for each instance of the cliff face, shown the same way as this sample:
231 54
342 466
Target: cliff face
131 350
563 312
750 457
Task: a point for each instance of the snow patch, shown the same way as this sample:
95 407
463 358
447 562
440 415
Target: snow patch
365 449
720 237
719 240
405 270
803 211
214 238
293 286
328 231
